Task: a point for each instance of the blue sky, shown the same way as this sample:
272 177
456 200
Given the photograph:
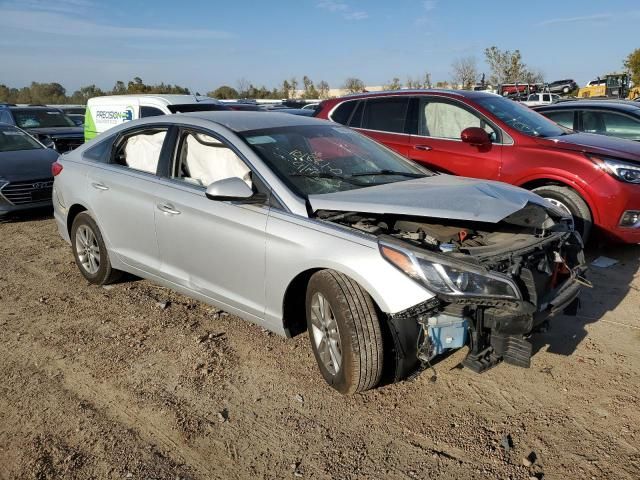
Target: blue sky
203 44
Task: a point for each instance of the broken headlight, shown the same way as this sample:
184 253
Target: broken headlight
447 276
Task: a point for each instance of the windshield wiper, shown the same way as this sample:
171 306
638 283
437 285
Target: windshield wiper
333 176
389 172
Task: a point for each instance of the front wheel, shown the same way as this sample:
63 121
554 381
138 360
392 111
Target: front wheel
570 202
344 330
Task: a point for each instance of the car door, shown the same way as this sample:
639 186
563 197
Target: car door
610 123
385 120
122 194
437 143
564 117
214 248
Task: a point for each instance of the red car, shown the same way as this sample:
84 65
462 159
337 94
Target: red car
477 134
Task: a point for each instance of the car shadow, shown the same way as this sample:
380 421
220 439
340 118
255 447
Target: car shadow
35 215
610 287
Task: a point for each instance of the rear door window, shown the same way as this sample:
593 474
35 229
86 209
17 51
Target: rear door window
141 150
386 114
561 117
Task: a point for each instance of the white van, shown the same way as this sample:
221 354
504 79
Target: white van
105 112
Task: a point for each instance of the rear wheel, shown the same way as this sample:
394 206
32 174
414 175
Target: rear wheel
90 251
570 202
344 330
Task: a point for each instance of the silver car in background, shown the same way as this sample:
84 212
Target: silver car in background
292 223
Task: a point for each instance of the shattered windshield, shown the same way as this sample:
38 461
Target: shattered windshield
521 118
41 118
314 159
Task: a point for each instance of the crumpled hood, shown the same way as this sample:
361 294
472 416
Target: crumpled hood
439 196
596 144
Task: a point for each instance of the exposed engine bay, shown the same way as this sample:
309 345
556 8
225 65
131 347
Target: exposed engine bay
494 283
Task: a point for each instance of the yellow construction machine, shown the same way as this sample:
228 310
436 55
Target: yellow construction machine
613 85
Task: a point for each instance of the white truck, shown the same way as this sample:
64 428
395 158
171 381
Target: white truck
544 98
106 112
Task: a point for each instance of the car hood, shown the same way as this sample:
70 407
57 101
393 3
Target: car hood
439 196
58 131
25 165
596 144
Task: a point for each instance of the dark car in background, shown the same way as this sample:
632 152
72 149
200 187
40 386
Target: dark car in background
563 86
74 112
594 178
48 124
26 180
615 118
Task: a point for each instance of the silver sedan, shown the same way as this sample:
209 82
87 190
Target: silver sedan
294 223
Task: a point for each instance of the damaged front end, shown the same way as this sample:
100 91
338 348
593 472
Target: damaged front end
494 283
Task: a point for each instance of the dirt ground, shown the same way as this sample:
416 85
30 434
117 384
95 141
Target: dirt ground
134 381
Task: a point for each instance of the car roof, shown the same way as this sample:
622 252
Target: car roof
248 120
471 94
169 99
621 105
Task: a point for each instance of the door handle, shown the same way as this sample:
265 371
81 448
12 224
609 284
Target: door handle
99 186
168 208
424 148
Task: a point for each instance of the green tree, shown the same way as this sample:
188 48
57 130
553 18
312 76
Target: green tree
85 93
310 91
353 85
119 88
286 89
507 67
224 92
632 64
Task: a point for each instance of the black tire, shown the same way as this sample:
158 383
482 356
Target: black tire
579 209
105 273
358 328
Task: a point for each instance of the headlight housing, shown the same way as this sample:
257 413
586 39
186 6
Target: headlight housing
623 171
448 276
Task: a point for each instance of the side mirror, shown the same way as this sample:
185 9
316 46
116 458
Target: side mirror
475 136
233 188
47 141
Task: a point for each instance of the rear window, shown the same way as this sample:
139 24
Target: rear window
197 107
343 112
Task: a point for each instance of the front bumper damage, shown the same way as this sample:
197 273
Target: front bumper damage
495 330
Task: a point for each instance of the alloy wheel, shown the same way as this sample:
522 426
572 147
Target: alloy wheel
88 249
326 336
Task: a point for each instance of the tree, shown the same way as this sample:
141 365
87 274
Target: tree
632 63
293 82
85 93
310 91
286 89
394 84
243 87
465 72
353 85
224 92
507 67
323 89
119 88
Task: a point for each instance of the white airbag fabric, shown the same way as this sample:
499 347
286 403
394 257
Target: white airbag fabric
210 163
142 152
447 121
